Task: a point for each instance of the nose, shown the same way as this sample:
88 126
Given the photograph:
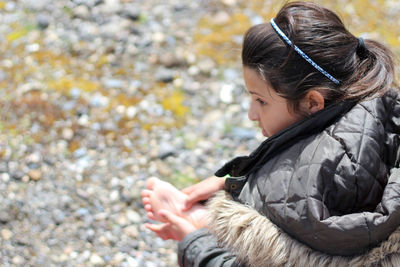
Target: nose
252 114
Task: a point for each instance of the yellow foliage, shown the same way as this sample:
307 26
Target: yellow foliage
64 84
16 35
2 4
218 40
174 103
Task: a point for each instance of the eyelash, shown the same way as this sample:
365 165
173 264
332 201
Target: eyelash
261 101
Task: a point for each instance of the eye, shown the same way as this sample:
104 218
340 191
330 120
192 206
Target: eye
262 102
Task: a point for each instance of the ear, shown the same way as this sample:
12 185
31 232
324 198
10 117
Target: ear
313 101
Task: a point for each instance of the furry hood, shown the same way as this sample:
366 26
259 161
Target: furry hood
258 242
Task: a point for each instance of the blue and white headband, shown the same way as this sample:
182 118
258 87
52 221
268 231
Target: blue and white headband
301 53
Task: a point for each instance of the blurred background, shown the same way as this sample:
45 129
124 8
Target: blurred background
98 95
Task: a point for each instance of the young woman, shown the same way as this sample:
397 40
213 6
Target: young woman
324 188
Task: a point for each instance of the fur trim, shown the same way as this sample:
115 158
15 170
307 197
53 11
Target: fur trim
258 242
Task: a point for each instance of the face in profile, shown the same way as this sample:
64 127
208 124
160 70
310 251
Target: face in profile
266 107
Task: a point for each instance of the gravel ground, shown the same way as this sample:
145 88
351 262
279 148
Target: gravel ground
96 97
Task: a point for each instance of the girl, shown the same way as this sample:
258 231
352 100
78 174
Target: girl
324 188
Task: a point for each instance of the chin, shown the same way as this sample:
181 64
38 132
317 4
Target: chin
265 133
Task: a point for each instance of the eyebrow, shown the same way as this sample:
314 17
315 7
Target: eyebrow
255 93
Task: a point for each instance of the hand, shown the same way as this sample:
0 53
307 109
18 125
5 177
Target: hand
175 227
202 191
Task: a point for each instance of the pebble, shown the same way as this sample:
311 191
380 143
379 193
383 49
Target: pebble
164 75
67 133
5 177
58 216
6 234
43 21
35 175
133 216
226 93
81 12
131 231
96 260
132 13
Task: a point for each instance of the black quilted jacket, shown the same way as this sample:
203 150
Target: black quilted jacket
331 182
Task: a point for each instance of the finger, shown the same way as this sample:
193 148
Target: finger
151 216
151 182
147 207
158 229
188 189
146 200
169 217
191 200
154 227
146 193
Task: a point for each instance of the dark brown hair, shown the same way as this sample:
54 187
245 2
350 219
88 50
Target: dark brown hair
320 34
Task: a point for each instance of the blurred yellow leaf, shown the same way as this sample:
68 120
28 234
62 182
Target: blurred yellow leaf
174 103
65 84
2 4
16 35
217 40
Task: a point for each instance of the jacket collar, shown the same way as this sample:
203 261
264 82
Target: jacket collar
241 166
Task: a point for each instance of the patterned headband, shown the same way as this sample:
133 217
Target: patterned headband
301 53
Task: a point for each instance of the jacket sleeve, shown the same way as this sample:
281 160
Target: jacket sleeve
200 249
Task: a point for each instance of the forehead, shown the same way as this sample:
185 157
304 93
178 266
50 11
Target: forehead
256 85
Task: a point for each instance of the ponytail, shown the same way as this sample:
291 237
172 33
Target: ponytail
374 72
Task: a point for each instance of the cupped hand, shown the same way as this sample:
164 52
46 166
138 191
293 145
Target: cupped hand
202 191
175 227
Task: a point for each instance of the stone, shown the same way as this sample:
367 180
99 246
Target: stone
164 75
67 134
43 21
132 13
6 234
133 216
131 231
96 260
58 216
81 12
35 175
226 93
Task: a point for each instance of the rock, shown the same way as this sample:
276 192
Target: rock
67 134
206 65
96 260
225 95
5 216
89 235
35 175
113 83
229 2
81 12
58 216
132 13
6 234
164 75
18 260
221 18
17 175
5 177
133 216
170 60
132 262
131 231
43 21
165 150
37 4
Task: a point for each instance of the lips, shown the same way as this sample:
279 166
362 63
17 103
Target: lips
264 133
